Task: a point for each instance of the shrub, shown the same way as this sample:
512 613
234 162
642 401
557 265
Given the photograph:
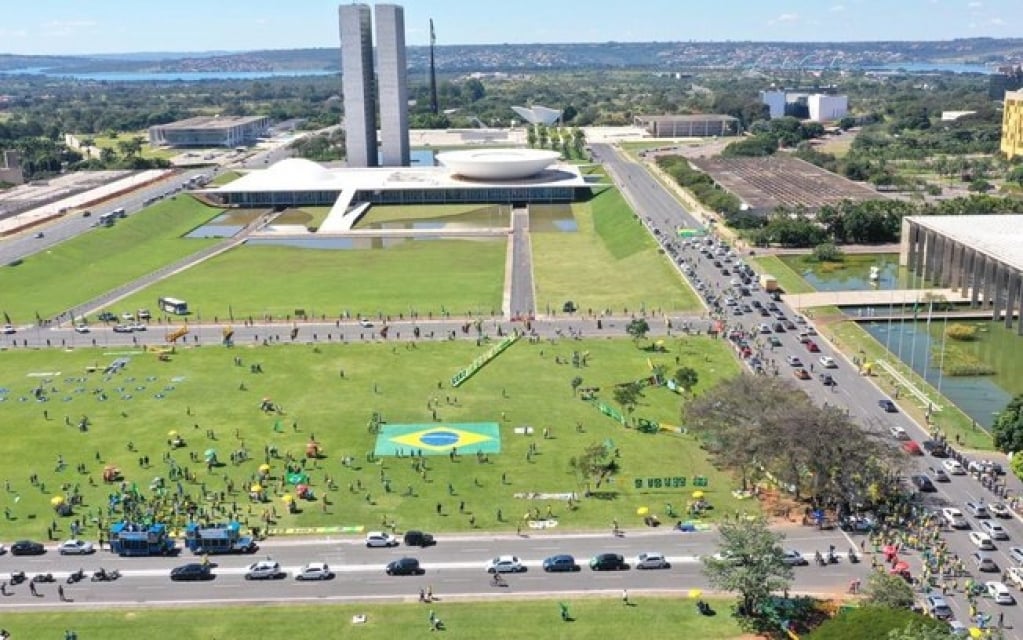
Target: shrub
961 332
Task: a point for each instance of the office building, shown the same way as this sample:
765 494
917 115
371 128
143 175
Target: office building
392 85
210 131
357 85
775 101
688 126
825 108
1012 124
981 256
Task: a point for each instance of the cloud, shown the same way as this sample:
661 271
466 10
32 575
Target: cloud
998 22
13 33
785 18
838 8
975 4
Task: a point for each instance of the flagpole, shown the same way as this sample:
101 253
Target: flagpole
941 364
927 339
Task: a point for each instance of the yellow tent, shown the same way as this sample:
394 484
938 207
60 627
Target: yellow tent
642 511
256 488
697 495
287 498
57 500
263 468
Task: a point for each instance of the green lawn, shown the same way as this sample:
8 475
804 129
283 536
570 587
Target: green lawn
790 281
110 142
611 262
95 262
225 178
525 619
202 388
428 276
483 214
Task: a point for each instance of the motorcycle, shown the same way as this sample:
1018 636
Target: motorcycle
76 576
853 558
832 558
17 577
106 576
43 577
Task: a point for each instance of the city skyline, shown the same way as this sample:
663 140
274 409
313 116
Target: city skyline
120 26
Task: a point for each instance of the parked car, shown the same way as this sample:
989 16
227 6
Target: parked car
608 562
828 362
652 560
9 329
938 608
887 405
827 380
955 518
106 316
939 474
999 510
75 547
381 539
898 433
81 328
1015 576
505 564
404 567
561 562
1016 553
981 540
314 571
415 538
265 570
801 374
27 548
999 593
191 571
794 361
977 509
793 558
953 467
812 347
912 448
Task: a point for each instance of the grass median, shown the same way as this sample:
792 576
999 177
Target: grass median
329 392
525 619
789 281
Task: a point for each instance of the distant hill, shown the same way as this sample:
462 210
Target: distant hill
526 57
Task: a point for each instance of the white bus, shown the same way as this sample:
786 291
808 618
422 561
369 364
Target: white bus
173 305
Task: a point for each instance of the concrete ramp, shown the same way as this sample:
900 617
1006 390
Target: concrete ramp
342 217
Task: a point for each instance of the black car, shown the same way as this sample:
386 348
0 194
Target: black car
418 539
608 562
106 316
935 448
827 380
923 484
27 548
191 571
404 567
887 405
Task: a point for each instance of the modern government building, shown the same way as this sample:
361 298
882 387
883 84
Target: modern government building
979 255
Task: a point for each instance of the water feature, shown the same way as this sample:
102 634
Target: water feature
226 224
483 217
423 157
979 397
545 218
853 273
172 76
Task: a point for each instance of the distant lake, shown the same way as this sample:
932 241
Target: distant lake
178 76
924 67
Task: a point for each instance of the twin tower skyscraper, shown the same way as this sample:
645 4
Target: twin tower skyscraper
361 87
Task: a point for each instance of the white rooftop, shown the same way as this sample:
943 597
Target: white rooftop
998 236
296 174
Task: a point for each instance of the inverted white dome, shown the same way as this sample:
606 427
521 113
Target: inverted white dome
497 164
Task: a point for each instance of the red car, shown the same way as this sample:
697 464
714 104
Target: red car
912 448
802 374
812 347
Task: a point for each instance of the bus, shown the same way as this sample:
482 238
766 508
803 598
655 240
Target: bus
173 305
107 219
119 213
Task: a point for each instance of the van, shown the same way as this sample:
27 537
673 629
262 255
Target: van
983 562
418 539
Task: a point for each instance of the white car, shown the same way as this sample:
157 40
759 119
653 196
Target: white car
999 510
898 433
138 326
953 467
828 362
365 324
1015 576
8 329
75 547
264 570
505 564
982 540
794 361
380 539
1016 553
314 571
999 592
652 560
955 518
81 328
995 530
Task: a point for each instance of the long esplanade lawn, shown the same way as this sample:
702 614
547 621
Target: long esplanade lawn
424 276
95 262
609 263
329 392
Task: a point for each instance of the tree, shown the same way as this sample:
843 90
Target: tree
922 630
749 563
596 463
627 396
638 329
887 590
686 377
576 381
1008 427
828 252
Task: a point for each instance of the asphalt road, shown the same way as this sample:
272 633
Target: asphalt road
454 569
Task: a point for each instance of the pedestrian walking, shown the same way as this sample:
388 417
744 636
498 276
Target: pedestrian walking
429 594
625 597
32 589
60 593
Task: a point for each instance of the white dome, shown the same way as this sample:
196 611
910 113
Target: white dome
497 164
296 169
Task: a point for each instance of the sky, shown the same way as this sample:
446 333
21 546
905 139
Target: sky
118 26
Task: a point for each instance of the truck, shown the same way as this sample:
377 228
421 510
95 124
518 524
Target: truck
134 539
768 282
216 539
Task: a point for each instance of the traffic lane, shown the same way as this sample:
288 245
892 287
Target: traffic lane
363 586
353 555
